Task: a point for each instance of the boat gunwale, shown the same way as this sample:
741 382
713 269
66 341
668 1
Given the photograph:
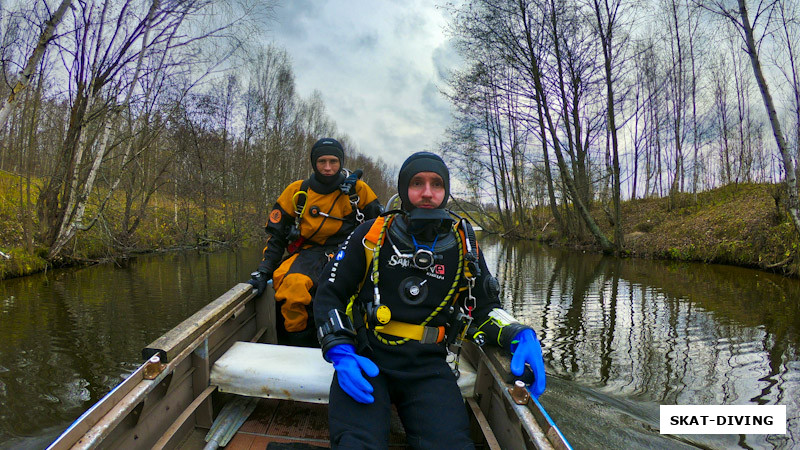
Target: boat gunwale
109 411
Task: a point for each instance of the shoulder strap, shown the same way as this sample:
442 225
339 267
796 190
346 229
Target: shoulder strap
370 243
375 231
471 250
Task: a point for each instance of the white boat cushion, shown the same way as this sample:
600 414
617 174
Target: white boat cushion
289 373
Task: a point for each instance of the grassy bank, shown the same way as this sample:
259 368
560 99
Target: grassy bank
741 225
166 225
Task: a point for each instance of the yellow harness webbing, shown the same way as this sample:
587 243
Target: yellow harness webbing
422 333
396 328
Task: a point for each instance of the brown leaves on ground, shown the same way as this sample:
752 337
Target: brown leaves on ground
744 225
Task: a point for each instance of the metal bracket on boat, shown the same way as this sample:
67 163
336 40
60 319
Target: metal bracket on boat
153 367
238 311
519 393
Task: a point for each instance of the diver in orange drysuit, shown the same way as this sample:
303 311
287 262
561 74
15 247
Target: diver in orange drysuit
309 221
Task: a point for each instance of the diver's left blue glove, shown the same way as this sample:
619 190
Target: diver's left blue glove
525 348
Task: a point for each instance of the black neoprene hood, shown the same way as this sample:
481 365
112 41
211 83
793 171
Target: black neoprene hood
421 162
327 146
324 147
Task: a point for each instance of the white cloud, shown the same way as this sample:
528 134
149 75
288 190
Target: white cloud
378 65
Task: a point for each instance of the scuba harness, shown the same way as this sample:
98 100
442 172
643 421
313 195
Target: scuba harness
348 187
376 317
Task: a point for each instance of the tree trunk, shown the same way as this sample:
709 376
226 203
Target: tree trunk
605 31
33 61
788 165
76 205
583 210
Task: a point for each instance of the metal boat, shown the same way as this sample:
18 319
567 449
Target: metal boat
219 379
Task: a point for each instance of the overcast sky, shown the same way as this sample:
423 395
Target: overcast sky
379 65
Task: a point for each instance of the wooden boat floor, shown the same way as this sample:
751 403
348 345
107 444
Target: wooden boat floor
282 421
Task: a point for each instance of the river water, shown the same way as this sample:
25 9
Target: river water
620 338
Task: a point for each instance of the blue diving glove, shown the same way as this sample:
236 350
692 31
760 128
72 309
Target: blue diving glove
525 348
348 366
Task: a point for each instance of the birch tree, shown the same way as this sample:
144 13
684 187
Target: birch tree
48 29
103 60
752 33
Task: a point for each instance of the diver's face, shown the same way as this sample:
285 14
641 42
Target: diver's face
328 165
426 190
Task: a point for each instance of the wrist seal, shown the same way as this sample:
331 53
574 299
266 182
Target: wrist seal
509 332
337 329
264 270
509 327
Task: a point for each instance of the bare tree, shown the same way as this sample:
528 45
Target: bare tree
789 65
720 75
740 17
607 14
103 63
27 72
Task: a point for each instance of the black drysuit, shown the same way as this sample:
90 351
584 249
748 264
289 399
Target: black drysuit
415 377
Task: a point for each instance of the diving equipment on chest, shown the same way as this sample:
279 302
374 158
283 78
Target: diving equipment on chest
426 256
413 290
422 271
422 263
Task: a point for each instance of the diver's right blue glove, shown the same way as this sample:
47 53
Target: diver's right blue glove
525 348
348 366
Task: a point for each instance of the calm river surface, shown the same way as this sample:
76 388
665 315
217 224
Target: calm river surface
620 338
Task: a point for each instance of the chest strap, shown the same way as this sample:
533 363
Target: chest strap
422 333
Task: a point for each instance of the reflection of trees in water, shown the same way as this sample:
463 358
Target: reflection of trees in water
660 332
71 335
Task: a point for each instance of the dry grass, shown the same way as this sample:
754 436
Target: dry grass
740 225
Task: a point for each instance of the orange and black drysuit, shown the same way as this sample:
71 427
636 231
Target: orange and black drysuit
326 218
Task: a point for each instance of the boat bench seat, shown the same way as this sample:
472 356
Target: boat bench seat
289 373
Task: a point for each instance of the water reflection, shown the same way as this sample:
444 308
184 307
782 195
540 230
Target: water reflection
70 336
621 337
652 333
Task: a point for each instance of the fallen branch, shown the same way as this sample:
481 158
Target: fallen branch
782 263
546 225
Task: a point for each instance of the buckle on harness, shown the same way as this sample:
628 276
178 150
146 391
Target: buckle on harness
430 335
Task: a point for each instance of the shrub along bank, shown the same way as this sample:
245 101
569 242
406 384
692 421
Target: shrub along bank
165 225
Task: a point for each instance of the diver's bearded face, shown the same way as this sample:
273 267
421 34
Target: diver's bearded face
426 190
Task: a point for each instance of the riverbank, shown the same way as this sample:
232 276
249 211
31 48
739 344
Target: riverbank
742 225
165 225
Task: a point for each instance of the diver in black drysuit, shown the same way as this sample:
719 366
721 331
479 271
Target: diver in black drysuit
412 375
